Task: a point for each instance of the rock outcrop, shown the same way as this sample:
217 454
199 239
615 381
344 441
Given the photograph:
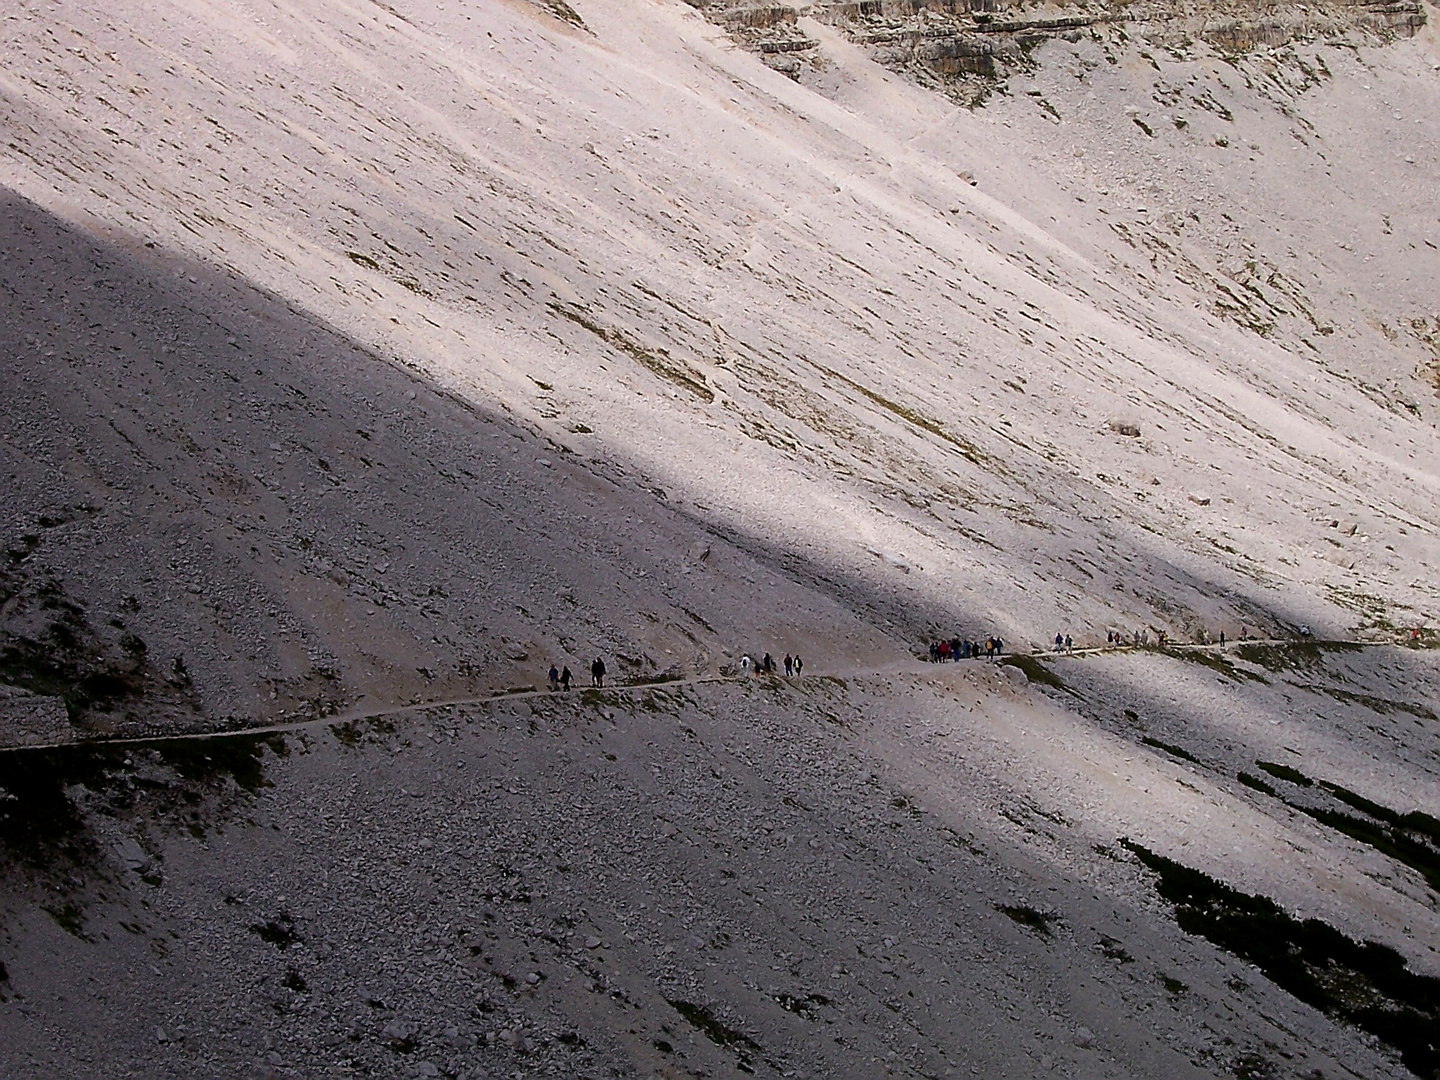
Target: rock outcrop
28 719
964 47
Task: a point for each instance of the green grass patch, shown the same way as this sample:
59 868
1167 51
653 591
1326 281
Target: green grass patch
1215 661
1292 656
1035 671
1365 984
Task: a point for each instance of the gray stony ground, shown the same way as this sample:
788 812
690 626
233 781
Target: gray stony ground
691 880
358 362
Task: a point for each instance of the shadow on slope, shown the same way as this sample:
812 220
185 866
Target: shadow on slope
294 522
224 511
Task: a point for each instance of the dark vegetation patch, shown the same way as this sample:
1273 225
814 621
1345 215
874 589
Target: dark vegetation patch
1292 656
1173 986
1029 917
1284 772
103 673
46 794
657 361
653 680
348 733
1170 748
1035 671
1364 984
1411 838
719 1033
1113 949
964 447
1384 706
800 1004
279 932
1254 1066
1215 661
1252 781
70 917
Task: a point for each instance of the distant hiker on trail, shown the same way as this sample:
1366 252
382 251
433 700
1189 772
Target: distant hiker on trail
999 647
565 677
745 664
1222 639
798 665
597 672
768 664
789 664
554 677
1059 642
1069 645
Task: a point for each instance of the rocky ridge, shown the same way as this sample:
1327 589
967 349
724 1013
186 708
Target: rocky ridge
963 48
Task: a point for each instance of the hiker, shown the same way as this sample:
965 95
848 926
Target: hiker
965 650
999 647
1059 642
944 650
554 677
934 653
798 665
1222 639
789 665
565 678
745 664
597 672
1069 645
768 664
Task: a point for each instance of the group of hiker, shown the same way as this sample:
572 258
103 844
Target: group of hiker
560 678
766 666
943 652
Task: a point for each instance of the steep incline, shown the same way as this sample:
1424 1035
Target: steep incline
361 355
782 309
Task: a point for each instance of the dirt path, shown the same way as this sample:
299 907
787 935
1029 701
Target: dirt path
918 667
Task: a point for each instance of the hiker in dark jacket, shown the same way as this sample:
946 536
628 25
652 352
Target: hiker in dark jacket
597 672
565 677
